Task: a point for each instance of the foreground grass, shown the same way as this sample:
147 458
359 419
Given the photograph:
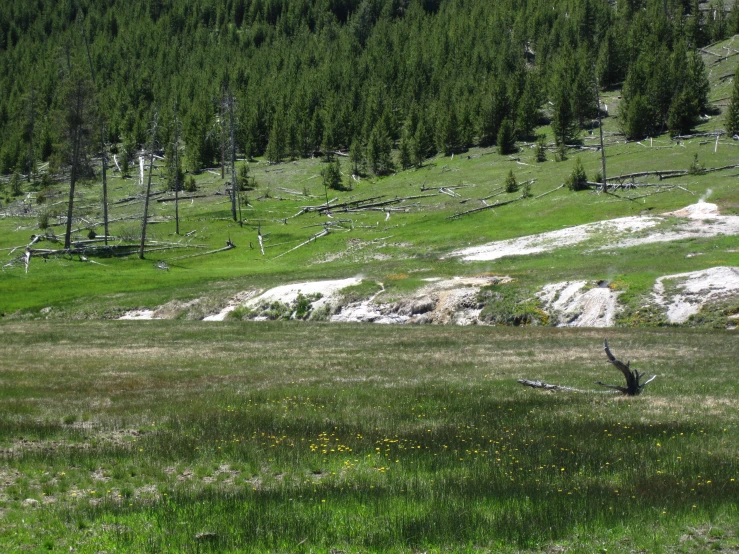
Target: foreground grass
185 437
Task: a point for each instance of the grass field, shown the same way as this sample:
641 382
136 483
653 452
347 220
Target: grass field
302 437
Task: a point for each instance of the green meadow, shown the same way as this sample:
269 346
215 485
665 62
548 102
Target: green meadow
295 437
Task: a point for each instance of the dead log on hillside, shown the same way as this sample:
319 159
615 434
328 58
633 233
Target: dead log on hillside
365 204
633 385
662 174
313 238
709 52
229 246
192 196
490 207
549 192
722 168
494 193
695 135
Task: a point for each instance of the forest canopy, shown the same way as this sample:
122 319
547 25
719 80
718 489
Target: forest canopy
365 75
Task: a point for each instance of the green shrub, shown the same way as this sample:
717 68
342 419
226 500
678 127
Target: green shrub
578 179
696 168
511 185
190 185
541 148
16 188
506 305
43 220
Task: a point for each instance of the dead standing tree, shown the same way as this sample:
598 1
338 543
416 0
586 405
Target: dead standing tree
175 163
228 142
154 132
633 387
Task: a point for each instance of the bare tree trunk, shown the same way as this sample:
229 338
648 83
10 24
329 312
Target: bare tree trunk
148 186
30 131
232 142
105 182
72 182
600 129
176 171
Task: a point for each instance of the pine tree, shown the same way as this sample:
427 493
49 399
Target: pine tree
564 118
276 145
356 156
731 122
404 151
577 180
511 185
506 138
527 116
447 132
378 150
541 148
332 175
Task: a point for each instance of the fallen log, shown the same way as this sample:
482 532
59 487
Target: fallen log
160 200
359 205
536 384
633 385
659 173
229 246
490 207
313 238
493 194
549 192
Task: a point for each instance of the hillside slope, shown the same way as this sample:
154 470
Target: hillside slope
401 247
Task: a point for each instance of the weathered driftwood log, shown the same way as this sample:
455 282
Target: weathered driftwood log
633 378
536 384
633 386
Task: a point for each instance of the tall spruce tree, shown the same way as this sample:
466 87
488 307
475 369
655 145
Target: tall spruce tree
564 116
731 121
77 120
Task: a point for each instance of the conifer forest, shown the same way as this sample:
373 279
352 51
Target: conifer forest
361 76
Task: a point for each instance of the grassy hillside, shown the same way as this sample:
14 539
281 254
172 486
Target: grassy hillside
408 245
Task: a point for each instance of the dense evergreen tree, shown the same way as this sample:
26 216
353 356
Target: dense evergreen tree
379 148
731 123
325 72
506 138
562 92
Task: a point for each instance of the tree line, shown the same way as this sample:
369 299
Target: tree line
363 76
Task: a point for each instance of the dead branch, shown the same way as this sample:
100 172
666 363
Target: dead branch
633 386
